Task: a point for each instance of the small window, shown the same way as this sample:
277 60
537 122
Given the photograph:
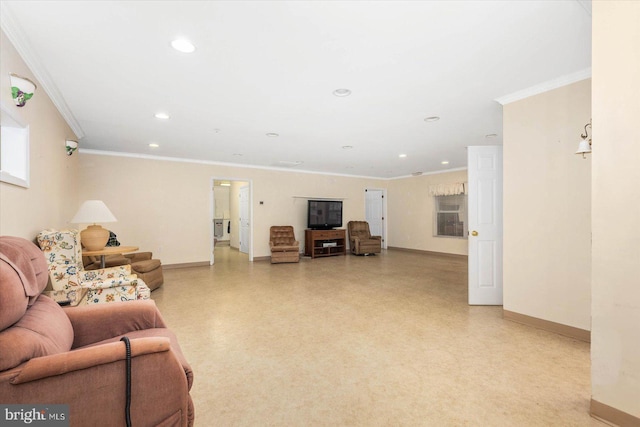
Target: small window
450 216
14 150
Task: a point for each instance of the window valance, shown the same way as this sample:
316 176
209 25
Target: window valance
448 189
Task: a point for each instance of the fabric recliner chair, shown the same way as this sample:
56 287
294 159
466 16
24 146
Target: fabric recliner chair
73 355
361 241
283 244
142 265
69 278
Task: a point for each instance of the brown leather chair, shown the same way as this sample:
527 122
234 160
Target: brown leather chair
360 239
73 355
142 264
283 244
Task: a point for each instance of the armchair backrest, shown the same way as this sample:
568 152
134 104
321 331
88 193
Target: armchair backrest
31 324
359 229
62 252
282 235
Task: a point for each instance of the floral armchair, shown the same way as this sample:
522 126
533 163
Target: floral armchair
70 280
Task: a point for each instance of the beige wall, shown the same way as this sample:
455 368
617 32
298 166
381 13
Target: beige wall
164 206
411 214
547 204
615 345
51 199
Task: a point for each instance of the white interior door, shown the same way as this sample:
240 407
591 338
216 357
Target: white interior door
485 225
244 219
374 212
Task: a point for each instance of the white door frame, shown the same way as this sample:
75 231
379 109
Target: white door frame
384 213
212 212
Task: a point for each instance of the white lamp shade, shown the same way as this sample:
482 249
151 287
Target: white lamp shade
584 147
93 211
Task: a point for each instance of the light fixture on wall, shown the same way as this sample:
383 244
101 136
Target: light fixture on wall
94 237
22 89
585 144
71 146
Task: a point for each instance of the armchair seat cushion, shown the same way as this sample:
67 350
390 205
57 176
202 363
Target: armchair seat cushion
285 248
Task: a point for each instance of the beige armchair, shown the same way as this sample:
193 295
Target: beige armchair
71 281
360 239
283 244
73 355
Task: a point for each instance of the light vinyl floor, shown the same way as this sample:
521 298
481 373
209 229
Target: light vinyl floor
386 340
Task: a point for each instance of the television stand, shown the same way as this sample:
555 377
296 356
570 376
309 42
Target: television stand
319 243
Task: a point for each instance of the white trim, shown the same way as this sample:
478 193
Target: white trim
545 86
425 173
21 43
211 162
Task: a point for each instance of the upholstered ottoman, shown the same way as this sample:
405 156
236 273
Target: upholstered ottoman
149 270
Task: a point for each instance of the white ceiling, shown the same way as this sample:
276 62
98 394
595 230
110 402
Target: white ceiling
271 66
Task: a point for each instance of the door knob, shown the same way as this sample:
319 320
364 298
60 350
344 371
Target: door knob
474 233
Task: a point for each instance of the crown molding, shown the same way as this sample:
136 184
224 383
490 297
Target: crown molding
214 163
238 165
545 87
17 37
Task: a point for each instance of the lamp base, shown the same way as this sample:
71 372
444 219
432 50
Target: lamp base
94 237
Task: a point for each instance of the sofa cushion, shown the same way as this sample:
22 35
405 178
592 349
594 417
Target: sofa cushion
44 329
23 276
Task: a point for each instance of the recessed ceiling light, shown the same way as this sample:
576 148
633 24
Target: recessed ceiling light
342 92
402 156
491 135
444 162
272 135
154 145
162 116
432 119
216 131
183 45
347 147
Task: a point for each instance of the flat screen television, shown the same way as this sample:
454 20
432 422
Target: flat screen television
324 214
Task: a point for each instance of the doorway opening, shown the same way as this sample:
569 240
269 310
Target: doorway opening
231 217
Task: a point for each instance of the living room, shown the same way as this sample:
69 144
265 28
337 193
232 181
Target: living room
582 273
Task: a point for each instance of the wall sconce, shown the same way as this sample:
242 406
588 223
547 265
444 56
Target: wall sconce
71 146
585 145
22 89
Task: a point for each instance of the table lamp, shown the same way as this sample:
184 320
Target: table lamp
94 237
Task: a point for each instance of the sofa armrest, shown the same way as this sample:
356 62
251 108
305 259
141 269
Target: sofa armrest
63 363
97 322
139 256
376 238
92 382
